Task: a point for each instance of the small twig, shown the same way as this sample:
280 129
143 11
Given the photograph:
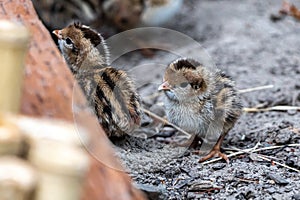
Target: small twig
177 180
276 147
247 180
270 157
246 150
275 108
210 189
231 155
278 163
151 114
250 150
255 89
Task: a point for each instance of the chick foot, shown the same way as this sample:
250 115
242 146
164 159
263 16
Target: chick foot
215 152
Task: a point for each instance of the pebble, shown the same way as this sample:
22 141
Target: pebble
167 131
278 179
191 195
219 166
284 124
293 161
193 174
152 192
277 197
283 136
202 186
288 188
297 86
296 196
181 183
292 112
275 17
271 190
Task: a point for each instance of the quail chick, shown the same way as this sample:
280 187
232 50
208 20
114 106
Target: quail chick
158 12
127 14
202 101
57 13
123 14
110 91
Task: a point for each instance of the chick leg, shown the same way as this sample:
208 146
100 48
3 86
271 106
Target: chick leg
216 151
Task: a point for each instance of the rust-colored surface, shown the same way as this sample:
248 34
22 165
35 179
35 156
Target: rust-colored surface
48 92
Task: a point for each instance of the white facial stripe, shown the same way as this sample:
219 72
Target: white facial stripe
60 44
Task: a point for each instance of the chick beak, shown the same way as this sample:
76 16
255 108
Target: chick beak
57 33
164 86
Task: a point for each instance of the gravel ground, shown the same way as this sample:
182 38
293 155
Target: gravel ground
243 41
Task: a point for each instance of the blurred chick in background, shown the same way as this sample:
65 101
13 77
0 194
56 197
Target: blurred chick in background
120 14
127 14
58 14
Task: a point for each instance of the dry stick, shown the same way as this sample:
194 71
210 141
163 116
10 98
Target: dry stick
247 180
271 157
255 89
278 163
275 108
151 114
251 150
270 160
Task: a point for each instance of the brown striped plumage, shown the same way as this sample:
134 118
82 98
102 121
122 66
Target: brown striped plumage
110 91
113 96
202 101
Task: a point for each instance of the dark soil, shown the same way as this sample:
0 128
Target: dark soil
243 41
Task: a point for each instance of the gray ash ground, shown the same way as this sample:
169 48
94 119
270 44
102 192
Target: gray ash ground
244 42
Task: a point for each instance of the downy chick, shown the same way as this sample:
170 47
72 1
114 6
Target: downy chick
110 91
128 14
202 101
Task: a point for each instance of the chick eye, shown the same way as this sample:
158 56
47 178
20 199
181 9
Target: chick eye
195 86
69 41
184 84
